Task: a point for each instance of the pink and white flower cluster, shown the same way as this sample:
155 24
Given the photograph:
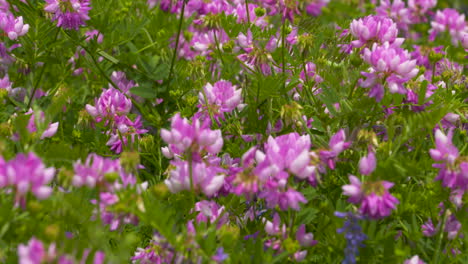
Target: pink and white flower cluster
26 173
373 196
453 168
12 26
194 147
69 14
34 252
113 108
390 66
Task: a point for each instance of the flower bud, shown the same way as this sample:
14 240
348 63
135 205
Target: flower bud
52 232
111 177
260 11
130 161
435 57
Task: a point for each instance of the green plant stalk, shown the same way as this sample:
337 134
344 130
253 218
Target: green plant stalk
174 55
36 85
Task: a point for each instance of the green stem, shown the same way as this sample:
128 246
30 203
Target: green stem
283 32
36 85
441 236
247 11
174 55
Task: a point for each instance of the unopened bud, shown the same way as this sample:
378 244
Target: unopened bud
260 11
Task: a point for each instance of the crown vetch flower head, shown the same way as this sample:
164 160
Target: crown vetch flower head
396 10
221 97
337 145
453 169
376 202
305 239
97 170
374 29
110 104
13 27
69 14
414 260
367 163
203 178
194 136
389 64
27 172
449 20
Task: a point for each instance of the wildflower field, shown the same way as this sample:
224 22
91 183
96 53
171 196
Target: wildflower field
233 131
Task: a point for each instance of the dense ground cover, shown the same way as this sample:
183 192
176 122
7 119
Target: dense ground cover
233 131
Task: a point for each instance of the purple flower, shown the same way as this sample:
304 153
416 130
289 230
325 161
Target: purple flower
220 256
159 251
275 228
397 11
32 253
374 29
420 8
315 7
288 152
40 118
453 169
390 65
69 14
353 234
108 215
337 145
12 26
428 228
220 98
367 163
110 104
27 172
376 202
414 260
124 84
452 226
126 129
194 137
203 178
305 239
274 194
353 190
449 20
211 212
241 14
99 171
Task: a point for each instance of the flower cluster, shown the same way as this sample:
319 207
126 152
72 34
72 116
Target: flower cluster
12 26
374 29
24 173
35 120
192 141
353 234
374 199
453 168
391 66
220 98
102 172
113 108
35 253
451 21
69 14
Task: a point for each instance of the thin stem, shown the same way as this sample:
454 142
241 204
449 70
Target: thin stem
36 85
217 47
181 19
247 11
283 32
441 236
